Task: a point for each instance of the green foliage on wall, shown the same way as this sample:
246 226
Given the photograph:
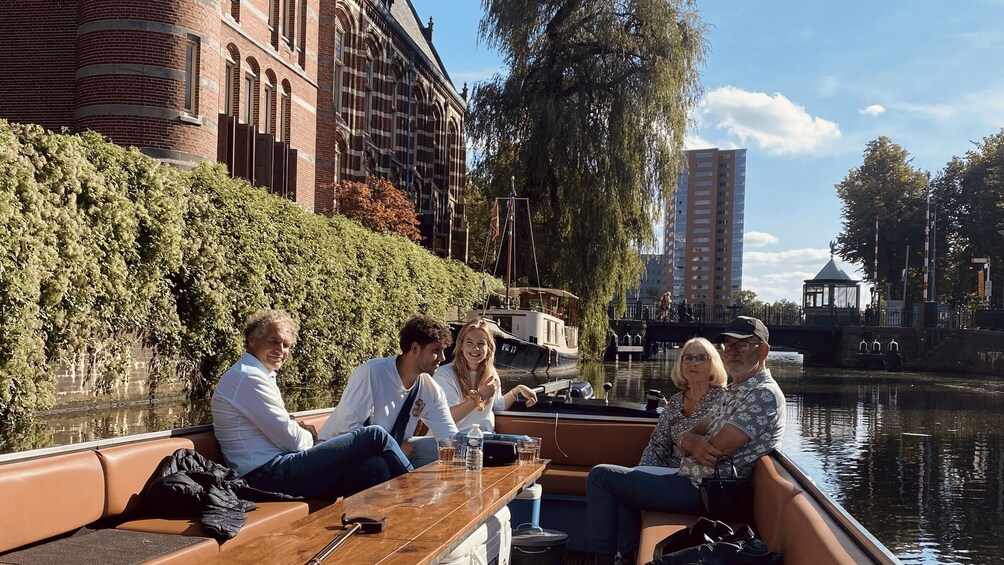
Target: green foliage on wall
103 247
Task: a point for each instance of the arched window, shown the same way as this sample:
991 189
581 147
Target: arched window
249 111
338 70
269 103
368 108
231 81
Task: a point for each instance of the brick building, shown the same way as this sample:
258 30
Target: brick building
293 95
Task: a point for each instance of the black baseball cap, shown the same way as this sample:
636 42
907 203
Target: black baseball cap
743 327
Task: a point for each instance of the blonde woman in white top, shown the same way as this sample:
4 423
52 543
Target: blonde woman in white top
471 383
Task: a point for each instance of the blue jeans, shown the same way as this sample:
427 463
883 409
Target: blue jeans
614 497
340 466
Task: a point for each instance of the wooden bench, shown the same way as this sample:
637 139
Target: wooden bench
52 504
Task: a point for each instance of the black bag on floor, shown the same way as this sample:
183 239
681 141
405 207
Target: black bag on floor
729 499
714 543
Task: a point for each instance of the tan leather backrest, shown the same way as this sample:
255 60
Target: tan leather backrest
582 442
207 446
49 496
808 539
129 467
773 489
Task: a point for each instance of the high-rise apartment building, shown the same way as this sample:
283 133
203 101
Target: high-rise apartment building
704 228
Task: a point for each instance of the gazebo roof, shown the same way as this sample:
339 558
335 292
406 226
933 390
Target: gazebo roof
832 273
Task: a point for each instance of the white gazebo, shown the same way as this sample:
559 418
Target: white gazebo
832 297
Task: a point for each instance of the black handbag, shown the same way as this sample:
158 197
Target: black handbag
727 499
498 452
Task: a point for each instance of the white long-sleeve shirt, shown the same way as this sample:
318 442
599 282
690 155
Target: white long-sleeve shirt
375 391
446 377
250 419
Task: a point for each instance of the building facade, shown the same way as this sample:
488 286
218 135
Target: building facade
651 286
293 95
704 228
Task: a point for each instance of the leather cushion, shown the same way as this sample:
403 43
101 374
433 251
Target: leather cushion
129 467
617 444
49 496
773 489
267 517
807 539
564 479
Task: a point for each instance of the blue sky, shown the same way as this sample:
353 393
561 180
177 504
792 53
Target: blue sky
804 86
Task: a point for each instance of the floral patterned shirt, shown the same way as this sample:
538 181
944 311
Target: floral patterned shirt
661 450
756 407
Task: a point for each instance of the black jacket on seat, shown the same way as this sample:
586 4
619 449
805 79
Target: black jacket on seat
186 484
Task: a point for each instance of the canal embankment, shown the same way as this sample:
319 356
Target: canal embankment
933 350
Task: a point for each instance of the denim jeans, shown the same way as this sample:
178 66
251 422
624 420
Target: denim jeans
615 496
340 466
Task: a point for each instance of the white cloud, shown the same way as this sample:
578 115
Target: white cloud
773 122
807 255
940 111
873 110
758 239
696 142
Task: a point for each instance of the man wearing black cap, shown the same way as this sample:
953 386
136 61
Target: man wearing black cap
748 424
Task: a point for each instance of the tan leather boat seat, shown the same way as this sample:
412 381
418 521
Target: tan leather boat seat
127 469
787 520
577 446
49 496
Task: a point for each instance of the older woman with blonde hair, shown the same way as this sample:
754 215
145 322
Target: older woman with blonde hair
611 490
471 383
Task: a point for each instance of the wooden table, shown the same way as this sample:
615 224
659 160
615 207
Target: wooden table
429 512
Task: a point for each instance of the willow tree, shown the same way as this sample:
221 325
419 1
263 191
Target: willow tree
887 188
590 121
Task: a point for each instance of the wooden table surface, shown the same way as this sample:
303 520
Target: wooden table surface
429 512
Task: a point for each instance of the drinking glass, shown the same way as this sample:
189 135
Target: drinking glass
527 450
447 450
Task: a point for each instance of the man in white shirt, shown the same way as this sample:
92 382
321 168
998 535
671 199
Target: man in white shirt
274 452
398 392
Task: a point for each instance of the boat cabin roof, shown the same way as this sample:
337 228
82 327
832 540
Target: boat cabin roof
516 291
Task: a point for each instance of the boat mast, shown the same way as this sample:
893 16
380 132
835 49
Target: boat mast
510 224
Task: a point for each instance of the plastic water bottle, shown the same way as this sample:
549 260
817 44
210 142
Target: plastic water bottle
475 448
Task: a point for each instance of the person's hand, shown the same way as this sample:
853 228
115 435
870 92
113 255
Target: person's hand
528 394
700 449
488 390
311 429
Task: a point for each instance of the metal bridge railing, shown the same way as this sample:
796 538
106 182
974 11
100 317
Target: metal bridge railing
944 316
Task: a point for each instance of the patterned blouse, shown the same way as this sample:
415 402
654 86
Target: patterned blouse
661 450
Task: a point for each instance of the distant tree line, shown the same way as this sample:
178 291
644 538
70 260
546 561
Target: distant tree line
103 248
967 206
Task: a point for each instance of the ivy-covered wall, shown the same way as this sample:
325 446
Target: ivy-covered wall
101 247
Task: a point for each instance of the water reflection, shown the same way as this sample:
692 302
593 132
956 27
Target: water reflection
917 458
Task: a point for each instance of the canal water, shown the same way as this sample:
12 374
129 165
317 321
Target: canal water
917 458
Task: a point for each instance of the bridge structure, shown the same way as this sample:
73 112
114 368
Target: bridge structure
818 344
949 338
